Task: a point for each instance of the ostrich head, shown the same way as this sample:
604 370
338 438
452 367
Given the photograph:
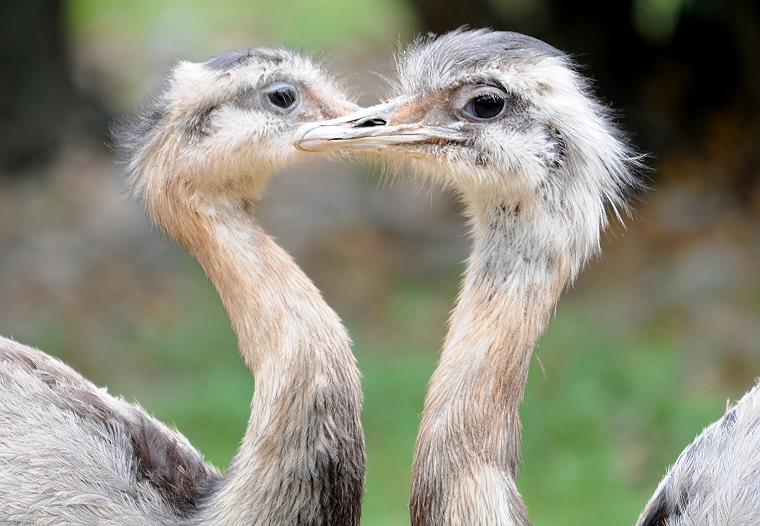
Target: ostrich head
508 122
217 129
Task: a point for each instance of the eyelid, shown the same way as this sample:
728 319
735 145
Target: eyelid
276 86
487 88
473 89
487 82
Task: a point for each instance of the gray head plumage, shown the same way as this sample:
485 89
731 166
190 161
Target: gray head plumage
222 124
433 61
504 119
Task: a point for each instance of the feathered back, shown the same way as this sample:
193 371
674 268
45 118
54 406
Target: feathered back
716 480
87 457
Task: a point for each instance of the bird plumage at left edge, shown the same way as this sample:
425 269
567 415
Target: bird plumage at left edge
197 158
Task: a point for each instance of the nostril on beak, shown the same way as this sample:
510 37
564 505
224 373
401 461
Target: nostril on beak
368 123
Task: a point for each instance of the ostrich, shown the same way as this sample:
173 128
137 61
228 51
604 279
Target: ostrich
716 479
198 157
507 122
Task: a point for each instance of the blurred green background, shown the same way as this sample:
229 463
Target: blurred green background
644 352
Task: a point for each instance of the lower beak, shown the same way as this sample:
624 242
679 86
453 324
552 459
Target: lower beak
369 129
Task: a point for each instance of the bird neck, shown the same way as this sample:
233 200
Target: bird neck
468 449
301 460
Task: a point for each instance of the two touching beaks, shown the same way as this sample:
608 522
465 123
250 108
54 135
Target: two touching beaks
376 128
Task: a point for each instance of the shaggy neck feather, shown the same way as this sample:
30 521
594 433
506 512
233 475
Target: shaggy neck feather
468 449
301 460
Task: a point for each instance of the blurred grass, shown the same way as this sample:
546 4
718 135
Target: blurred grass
331 24
118 46
603 423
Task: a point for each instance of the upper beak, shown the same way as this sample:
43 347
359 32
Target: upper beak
376 128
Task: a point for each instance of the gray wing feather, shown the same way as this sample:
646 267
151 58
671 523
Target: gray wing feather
70 453
716 480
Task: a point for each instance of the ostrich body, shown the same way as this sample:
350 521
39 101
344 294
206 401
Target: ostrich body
198 157
506 121
716 479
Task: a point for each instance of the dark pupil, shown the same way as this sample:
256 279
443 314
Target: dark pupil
282 98
487 106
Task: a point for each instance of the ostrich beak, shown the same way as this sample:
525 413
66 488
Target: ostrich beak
380 127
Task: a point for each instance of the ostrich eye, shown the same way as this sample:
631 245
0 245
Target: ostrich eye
281 95
485 106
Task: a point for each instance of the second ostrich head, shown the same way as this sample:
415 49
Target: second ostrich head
504 119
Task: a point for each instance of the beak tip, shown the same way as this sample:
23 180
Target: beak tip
302 146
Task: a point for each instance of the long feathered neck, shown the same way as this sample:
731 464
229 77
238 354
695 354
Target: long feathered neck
301 460
468 448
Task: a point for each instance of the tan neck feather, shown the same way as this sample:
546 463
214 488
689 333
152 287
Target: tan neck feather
302 457
468 449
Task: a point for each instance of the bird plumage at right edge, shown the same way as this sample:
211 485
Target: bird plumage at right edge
508 123
716 479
